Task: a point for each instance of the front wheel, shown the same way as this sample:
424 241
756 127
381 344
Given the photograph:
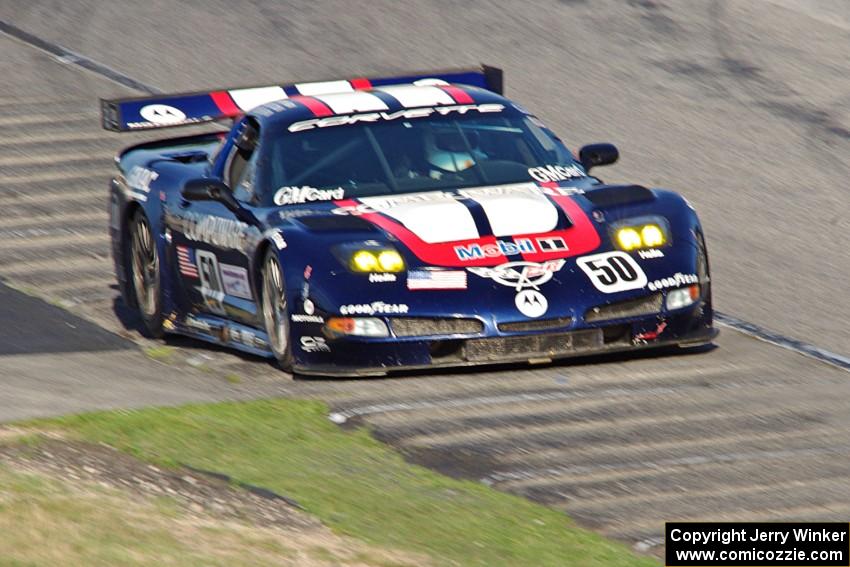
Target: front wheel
144 273
275 312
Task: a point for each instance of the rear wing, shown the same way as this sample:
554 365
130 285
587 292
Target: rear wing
170 110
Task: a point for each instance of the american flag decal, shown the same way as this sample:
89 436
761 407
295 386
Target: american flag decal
436 279
186 262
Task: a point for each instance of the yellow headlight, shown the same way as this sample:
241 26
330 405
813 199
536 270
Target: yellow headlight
652 235
628 238
364 261
390 261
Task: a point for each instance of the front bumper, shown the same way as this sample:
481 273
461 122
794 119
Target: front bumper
353 357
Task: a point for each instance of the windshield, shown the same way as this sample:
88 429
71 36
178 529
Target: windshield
407 155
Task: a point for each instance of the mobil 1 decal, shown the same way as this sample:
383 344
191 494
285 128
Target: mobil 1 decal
612 272
211 287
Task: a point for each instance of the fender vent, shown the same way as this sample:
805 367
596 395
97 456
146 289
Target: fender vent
617 195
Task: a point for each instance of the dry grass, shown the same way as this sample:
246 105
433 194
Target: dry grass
47 521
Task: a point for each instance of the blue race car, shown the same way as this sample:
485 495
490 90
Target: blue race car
361 226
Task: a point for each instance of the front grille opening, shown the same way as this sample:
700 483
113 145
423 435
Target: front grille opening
532 346
613 334
649 305
539 325
444 350
426 326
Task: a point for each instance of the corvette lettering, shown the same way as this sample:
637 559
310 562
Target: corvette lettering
306 194
377 205
225 233
349 119
374 308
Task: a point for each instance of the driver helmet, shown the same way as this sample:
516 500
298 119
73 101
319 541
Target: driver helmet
448 152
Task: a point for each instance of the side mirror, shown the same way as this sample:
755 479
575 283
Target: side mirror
592 155
210 190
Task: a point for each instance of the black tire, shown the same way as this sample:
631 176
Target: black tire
144 267
273 308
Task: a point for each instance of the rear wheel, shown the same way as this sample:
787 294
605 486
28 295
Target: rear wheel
144 274
274 310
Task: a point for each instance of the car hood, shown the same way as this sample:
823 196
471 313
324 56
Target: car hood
483 226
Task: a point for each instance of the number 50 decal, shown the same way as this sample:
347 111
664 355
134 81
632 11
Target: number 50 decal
612 272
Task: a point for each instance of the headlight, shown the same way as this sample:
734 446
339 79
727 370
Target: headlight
376 260
356 326
635 234
364 261
652 235
682 297
390 261
629 239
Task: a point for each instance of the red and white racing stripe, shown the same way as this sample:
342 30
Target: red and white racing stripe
437 226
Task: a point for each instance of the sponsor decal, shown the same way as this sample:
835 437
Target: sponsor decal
162 114
298 318
186 262
552 244
598 216
211 287
521 275
140 178
435 278
374 308
277 238
518 189
424 112
193 322
676 280
613 272
651 253
235 281
306 194
309 307
221 232
246 337
526 278
531 303
314 344
379 278
500 248
549 173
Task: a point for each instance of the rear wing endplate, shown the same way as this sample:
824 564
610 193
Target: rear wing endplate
170 110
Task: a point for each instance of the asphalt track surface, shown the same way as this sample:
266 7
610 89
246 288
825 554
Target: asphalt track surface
743 106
